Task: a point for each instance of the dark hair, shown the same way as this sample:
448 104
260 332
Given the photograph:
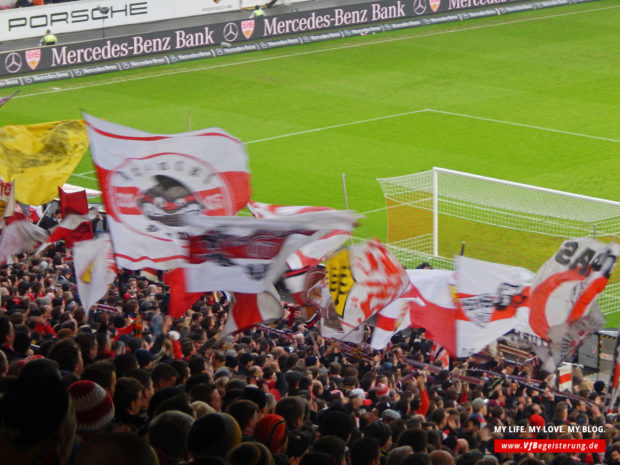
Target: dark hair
124 363
332 445
100 372
291 409
127 391
66 353
163 372
415 437
168 431
243 411
364 450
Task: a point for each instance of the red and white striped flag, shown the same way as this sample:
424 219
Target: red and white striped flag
441 354
248 310
151 181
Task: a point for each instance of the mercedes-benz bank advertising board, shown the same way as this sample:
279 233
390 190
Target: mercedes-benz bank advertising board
53 59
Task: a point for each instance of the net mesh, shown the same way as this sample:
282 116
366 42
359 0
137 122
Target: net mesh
492 220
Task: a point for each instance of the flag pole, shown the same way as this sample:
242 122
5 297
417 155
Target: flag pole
346 197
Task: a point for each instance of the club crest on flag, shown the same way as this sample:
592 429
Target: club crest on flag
33 57
247 27
434 4
339 278
153 193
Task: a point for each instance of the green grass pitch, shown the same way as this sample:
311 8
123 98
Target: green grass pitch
529 97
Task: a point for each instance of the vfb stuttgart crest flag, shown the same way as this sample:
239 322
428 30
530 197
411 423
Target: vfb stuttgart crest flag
150 181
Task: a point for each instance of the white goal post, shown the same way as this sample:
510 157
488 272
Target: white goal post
437 214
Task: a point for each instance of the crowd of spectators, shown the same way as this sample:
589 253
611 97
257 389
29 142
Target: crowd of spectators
6 4
126 384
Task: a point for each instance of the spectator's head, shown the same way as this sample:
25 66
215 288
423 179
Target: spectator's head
336 423
213 434
272 431
168 432
334 446
293 410
102 373
251 453
127 396
118 449
94 408
164 375
36 418
416 438
365 451
67 354
381 432
245 412
441 457
397 455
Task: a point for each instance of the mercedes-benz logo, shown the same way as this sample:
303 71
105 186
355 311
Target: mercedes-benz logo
13 62
419 7
28 80
78 72
231 31
219 52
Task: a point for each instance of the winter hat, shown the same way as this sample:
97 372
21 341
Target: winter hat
537 420
256 395
389 414
382 390
251 453
360 393
94 408
271 430
213 434
143 356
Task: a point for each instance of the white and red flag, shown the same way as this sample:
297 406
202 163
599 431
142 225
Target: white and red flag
18 236
313 253
70 229
362 280
249 255
492 300
568 283
151 181
95 268
248 310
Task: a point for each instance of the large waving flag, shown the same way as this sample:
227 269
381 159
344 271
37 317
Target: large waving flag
313 253
94 268
41 157
362 280
567 284
71 229
492 300
150 181
18 236
76 203
249 255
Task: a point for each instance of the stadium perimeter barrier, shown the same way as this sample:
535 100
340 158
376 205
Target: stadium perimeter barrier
66 61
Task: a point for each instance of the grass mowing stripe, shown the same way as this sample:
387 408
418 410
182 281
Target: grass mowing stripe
312 52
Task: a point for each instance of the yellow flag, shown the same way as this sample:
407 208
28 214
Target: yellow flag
41 157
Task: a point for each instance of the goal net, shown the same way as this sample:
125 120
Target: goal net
437 214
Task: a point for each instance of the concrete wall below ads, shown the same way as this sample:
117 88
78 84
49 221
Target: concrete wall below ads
199 42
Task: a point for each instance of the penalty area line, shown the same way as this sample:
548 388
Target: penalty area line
523 125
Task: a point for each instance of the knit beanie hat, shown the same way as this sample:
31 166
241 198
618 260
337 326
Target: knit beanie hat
94 408
214 434
271 430
251 453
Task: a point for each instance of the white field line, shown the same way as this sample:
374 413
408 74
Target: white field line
398 115
335 126
313 52
523 125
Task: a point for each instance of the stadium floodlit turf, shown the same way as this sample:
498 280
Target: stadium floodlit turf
528 97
